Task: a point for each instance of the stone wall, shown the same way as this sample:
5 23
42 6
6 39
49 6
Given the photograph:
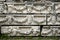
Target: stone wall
30 18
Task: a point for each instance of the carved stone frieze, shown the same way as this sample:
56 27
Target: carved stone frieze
23 20
50 31
21 30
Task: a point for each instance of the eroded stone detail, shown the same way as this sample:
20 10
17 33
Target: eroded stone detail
50 31
23 20
29 12
21 30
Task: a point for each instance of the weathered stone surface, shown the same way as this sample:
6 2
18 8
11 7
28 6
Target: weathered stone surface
30 12
50 31
21 30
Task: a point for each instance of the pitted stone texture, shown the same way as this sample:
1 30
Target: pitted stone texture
46 31
53 19
21 30
57 8
28 8
23 19
50 31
